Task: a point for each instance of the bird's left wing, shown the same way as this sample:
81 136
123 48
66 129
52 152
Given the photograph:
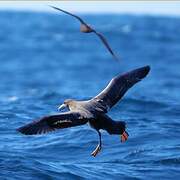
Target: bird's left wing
106 44
77 17
116 89
53 122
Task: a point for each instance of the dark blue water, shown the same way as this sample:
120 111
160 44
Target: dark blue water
44 59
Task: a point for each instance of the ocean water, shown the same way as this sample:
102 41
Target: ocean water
44 59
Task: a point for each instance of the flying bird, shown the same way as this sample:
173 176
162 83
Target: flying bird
93 111
85 28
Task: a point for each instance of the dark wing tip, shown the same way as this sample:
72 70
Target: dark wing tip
57 8
25 130
135 75
142 72
36 127
53 7
145 70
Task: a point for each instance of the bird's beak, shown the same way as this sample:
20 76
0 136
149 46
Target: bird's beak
62 106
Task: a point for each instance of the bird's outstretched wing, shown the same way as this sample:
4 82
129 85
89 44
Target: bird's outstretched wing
97 33
77 17
118 87
54 122
106 44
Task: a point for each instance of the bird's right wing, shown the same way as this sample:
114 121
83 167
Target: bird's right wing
53 122
106 44
77 17
117 87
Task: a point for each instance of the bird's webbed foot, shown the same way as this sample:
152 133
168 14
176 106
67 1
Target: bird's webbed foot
96 151
124 136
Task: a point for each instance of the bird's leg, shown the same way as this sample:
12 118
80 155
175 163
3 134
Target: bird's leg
98 148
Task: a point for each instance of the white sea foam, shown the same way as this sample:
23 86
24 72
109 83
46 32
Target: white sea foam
12 98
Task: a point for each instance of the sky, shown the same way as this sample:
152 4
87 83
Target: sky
170 8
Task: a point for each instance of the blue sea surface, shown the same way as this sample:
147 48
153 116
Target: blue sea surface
44 59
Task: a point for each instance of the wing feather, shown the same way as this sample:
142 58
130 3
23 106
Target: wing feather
77 17
118 86
106 44
54 122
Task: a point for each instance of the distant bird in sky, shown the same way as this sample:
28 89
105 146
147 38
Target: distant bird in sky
85 28
92 111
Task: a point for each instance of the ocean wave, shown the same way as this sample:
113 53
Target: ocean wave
43 63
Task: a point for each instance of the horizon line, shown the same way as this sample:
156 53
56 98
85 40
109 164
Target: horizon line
114 7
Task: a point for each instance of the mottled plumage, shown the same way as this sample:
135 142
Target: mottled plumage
92 111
